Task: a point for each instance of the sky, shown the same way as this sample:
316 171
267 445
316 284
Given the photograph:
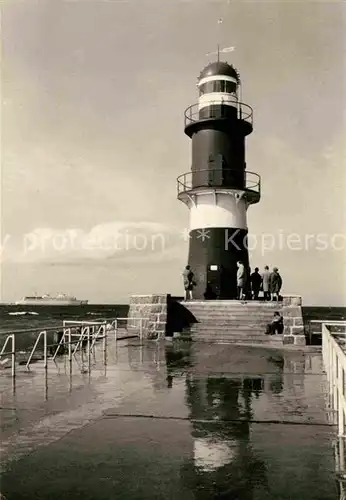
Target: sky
92 140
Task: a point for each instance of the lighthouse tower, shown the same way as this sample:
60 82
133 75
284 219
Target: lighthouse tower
218 190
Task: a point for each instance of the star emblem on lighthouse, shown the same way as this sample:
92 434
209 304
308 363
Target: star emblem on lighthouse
203 234
185 234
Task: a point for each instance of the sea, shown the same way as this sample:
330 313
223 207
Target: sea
19 317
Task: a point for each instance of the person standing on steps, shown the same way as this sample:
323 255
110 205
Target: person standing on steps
266 283
189 282
256 281
275 284
241 280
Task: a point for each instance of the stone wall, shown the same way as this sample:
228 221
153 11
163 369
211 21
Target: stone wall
293 321
151 311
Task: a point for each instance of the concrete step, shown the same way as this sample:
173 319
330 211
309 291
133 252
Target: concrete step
240 334
229 325
227 320
211 317
230 304
232 312
243 330
234 340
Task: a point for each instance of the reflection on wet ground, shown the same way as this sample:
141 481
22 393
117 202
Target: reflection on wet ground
174 421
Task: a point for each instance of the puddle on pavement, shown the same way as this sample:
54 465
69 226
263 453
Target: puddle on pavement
180 422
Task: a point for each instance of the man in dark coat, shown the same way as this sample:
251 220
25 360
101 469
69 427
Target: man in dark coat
256 281
275 284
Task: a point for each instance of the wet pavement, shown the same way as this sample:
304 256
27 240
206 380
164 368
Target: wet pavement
174 421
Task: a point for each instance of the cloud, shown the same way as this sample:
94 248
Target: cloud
105 243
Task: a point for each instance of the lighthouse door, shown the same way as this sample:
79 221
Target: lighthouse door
214 280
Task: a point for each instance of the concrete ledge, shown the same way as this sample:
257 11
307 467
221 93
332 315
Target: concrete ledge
150 312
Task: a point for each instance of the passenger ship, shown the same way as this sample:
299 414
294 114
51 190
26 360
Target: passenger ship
47 300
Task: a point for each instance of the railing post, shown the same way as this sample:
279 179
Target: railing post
115 330
341 409
104 346
45 364
341 457
141 330
70 348
33 350
88 347
13 355
335 381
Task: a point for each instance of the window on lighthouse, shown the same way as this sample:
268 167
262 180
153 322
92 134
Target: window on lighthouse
223 86
230 87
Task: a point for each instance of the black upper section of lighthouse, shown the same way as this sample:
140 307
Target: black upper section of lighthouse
218 125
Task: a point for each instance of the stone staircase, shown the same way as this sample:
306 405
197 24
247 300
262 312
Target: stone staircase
223 321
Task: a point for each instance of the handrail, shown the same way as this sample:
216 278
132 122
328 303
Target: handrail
44 334
140 319
334 360
196 113
93 330
329 323
13 352
32 330
84 329
202 178
102 328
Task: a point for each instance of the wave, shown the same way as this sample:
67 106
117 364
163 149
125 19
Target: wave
23 313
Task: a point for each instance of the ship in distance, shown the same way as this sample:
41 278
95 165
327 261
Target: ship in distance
48 300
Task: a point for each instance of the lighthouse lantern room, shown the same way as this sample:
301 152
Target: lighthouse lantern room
218 190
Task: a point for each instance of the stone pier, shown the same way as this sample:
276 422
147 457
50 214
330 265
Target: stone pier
148 312
159 315
293 320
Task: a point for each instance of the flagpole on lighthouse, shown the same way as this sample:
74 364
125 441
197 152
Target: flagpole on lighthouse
218 45
219 51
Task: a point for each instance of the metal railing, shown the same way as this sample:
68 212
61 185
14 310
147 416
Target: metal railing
11 338
216 109
218 177
334 361
130 326
74 335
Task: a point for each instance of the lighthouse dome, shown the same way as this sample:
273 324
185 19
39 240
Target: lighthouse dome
219 68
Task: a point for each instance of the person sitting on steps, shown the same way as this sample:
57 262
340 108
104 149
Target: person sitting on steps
276 325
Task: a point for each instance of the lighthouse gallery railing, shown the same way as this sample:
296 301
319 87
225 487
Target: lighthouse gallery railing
195 113
218 177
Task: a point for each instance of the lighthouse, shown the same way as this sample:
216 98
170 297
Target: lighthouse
218 189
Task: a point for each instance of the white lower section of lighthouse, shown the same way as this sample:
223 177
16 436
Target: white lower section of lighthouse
218 210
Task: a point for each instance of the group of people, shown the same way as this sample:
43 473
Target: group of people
249 285
269 283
